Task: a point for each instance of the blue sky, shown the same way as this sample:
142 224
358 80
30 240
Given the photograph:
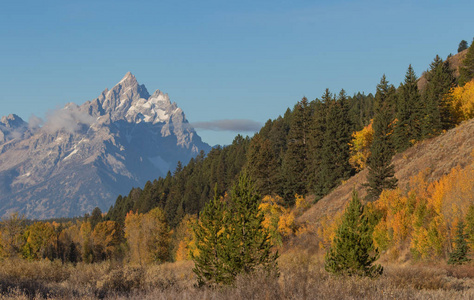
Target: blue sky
218 60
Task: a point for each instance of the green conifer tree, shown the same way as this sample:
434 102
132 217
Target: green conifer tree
249 240
318 127
466 71
436 111
353 251
381 170
262 165
334 165
231 238
409 113
462 46
211 262
459 254
294 165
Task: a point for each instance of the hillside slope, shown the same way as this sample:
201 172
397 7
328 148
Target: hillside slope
440 154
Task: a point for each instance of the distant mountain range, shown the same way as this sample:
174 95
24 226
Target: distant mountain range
85 156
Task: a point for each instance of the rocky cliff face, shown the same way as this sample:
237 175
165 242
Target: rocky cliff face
85 156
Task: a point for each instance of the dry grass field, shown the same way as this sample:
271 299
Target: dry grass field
302 276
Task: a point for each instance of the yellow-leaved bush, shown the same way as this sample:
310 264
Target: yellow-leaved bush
461 99
360 147
279 221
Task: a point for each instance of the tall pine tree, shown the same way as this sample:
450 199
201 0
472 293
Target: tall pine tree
334 165
316 181
409 113
353 251
249 240
211 261
262 165
231 239
459 254
294 165
466 71
436 110
381 170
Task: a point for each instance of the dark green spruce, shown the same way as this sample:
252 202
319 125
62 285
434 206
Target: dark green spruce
381 170
459 254
409 113
231 238
250 246
295 161
436 110
353 251
210 265
466 70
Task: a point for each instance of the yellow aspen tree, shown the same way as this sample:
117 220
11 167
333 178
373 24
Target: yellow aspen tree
105 239
86 243
156 235
360 147
461 99
12 237
185 239
276 218
133 235
41 238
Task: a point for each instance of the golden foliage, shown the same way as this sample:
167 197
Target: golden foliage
360 147
185 239
327 229
461 99
426 215
148 236
279 221
40 237
301 204
105 239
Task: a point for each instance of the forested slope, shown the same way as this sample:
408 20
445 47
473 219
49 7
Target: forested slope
435 157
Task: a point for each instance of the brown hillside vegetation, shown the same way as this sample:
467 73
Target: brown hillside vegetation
437 156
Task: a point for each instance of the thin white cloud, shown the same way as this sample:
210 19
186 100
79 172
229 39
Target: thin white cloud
235 125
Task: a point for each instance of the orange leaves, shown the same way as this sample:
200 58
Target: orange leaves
360 147
426 214
394 227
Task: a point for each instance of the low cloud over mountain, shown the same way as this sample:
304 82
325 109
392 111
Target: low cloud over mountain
236 125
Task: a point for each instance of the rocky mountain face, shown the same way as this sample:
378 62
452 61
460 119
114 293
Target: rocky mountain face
85 156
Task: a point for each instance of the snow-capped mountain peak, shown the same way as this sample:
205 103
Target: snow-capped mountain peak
85 156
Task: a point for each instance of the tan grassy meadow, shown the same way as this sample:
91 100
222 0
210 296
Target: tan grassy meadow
302 276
